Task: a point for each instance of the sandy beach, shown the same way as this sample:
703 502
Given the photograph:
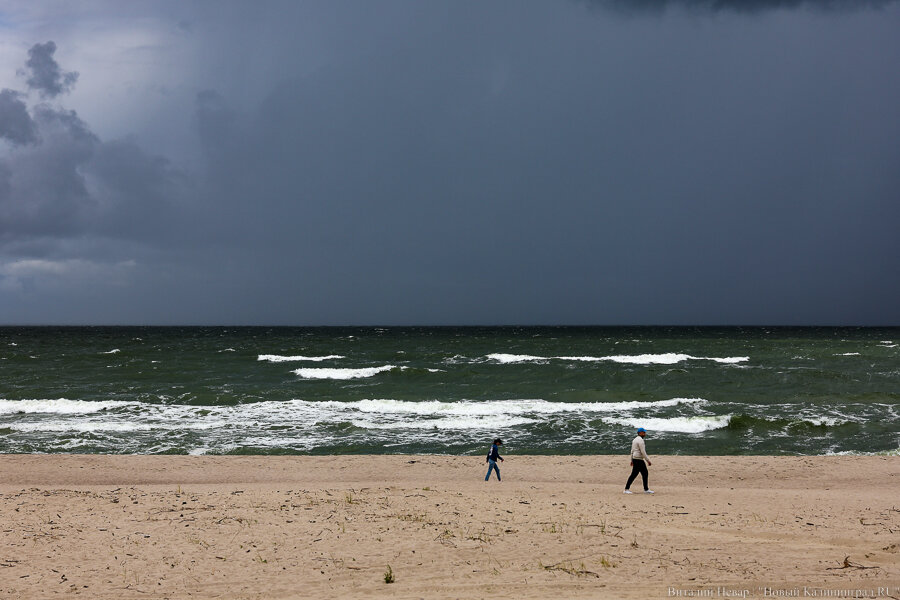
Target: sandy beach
557 526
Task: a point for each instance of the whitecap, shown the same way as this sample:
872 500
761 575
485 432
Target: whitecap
490 423
455 359
342 373
113 426
277 358
61 406
641 359
113 351
674 424
825 421
514 358
848 354
671 359
89 427
489 408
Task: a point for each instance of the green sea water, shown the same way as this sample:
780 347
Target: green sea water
545 390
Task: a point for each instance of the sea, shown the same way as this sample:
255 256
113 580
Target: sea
449 390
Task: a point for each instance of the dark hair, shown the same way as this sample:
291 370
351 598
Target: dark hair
498 441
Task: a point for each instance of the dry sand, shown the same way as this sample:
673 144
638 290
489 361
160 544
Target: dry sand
556 527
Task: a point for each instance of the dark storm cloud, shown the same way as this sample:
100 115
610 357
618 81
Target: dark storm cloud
62 180
44 74
739 6
48 192
15 122
522 182
72 182
465 162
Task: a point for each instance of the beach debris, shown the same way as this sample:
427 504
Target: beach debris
849 565
579 571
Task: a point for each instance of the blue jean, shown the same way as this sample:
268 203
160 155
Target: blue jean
492 465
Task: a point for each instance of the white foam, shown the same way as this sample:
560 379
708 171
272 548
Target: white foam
276 358
489 423
674 424
671 359
113 351
848 354
61 406
641 359
342 373
88 427
113 427
514 358
859 453
484 409
455 359
826 421
303 422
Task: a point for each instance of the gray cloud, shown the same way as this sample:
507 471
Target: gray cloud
61 181
44 74
16 124
48 192
215 122
72 183
5 186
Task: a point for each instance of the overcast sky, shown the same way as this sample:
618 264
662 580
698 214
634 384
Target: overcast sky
464 162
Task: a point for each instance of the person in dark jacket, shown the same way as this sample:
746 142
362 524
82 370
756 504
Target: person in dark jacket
492 458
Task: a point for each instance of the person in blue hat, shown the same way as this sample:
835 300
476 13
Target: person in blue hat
638 456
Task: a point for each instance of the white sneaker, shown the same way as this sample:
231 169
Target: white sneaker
628 492
649 492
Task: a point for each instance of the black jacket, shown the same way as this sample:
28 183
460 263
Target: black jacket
494 454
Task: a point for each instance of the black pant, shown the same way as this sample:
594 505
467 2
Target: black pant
639 466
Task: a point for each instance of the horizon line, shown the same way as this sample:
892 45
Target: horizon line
448 325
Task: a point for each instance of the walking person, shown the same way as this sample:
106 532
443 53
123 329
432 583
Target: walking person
492 458
638 456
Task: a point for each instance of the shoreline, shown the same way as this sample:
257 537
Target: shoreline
176 526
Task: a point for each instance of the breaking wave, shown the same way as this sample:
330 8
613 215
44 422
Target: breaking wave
343 373
674 424
488 408
61 406
641 359
276 358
